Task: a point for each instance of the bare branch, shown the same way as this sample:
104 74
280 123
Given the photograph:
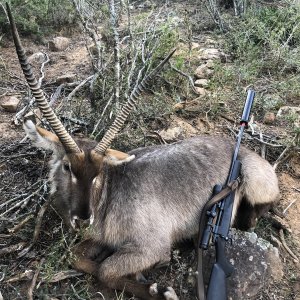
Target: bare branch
117 69
34 279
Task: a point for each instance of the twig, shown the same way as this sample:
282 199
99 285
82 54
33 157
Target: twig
117 69
57 93
33 283
22 203
42 69
4 236
278 222
24 110
20 225
290 252
27 275
12 248
227 118
19 196
37 228
62 275
285 210
102 114
92 33
263 147
266 143
282 157
276 241
78 87
17 155
190 79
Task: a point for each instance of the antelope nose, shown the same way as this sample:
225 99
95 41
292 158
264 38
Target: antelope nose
86 214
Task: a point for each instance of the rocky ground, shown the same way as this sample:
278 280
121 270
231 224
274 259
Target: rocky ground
39 265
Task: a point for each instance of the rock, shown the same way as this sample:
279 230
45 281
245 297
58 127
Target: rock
179 106
269 118
210 42
146 5
66 78
256 265
10 103
202 83
36 58
59 44
93 49
195 46
295 164
172 134
177 130
288 110
211 53
203 71
200 91
210 63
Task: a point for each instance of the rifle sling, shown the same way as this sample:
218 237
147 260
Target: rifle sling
231 187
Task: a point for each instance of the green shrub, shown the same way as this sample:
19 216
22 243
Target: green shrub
267 40
37 16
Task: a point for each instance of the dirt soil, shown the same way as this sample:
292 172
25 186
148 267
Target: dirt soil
24 190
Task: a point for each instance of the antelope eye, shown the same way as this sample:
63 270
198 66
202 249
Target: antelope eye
66 166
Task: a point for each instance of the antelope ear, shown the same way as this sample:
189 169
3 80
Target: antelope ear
115 158
42 138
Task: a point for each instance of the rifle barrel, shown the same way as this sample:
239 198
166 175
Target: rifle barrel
247 107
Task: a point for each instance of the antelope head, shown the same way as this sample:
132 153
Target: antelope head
76 165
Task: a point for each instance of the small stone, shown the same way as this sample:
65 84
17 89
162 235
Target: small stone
37 57
10 103
211 53
195 46
291 113
171 134
287 110
203 72
200 91
146 5
59 44
202 83
269 118
210 64
153 290
210 41
252 237
66 78
179 106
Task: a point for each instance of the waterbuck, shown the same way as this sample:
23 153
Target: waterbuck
142 202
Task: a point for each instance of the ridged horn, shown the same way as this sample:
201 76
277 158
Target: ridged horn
126 109
67 141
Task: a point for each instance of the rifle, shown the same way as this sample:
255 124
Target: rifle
216 218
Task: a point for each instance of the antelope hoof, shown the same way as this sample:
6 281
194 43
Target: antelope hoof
170 294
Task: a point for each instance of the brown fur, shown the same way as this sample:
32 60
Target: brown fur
145 201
